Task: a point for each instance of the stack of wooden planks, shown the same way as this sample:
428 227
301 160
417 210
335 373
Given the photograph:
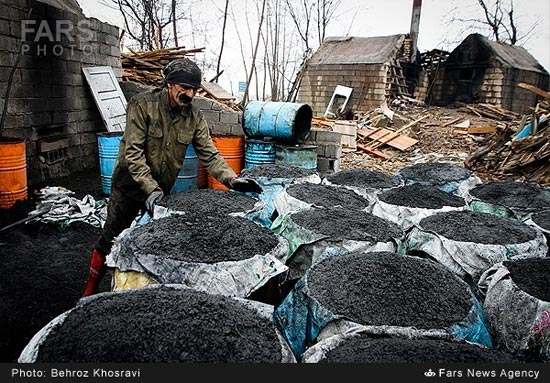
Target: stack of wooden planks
146 67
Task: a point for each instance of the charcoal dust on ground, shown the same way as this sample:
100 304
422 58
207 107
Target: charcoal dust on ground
43 269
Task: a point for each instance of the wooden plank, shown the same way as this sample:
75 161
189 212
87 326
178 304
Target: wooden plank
401 142
374 153
216 91
476 130
534 89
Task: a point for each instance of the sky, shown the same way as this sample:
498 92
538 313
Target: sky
354 18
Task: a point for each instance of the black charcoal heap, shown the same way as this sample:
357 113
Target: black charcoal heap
365 349
542 219
420 196
327 196
386 289
363 178
277 171
469 226
532 276
513 195
437 173
209 201
340 223
162 325
192 238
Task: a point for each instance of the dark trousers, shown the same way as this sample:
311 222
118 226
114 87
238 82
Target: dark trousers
122 209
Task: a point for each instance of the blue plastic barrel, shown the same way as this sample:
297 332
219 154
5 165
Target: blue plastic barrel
304 156
189 173
257 152
107 144
281 120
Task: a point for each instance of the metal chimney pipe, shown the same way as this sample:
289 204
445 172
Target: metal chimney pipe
415 26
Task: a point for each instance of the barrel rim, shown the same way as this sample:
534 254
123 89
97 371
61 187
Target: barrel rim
110 134
7 140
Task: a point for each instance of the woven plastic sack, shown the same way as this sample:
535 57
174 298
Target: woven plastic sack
302 318
470 259
370 194
519 322
407 217
30 352
233 278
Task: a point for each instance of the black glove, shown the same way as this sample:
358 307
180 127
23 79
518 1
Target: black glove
245 185
152 199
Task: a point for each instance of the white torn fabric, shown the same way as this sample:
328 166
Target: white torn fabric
63 209
407 217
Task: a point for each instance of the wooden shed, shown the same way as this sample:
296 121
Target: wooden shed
481 70
369 65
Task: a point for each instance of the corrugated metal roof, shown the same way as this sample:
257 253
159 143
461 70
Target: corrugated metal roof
512 56
357 50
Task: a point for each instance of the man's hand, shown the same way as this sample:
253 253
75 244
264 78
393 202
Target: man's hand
245 185
152 199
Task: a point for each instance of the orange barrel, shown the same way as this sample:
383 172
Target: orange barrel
232 150
202 183
13 171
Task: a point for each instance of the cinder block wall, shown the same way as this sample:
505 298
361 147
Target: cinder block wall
221 119
50 105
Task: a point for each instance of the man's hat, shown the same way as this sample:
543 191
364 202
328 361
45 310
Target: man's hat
183 72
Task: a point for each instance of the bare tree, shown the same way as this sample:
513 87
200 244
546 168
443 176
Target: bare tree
145 21
174 22
499 19
223 38
252 70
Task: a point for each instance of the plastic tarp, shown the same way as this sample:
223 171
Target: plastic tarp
235 278
272 187
30 352
58 206
470 259
407 217
458 187
518 321
302 318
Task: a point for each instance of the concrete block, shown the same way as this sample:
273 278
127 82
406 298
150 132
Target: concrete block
229 117
104 49
237 130
211 116
327 136
219 128
202 103
327 165
333 151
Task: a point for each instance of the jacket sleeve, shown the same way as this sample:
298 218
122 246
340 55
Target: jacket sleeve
135 135
209 156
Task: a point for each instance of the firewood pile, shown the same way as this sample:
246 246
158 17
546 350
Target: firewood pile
145 67
526 158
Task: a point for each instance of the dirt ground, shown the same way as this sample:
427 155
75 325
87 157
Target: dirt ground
43 269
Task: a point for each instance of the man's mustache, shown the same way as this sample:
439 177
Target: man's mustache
184 99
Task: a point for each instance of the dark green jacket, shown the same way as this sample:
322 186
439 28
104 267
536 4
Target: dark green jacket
153 147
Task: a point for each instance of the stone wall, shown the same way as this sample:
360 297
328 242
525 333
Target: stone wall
50 105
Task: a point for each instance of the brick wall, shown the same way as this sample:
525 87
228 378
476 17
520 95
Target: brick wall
50 105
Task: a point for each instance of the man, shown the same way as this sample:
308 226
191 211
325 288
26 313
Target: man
159 126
